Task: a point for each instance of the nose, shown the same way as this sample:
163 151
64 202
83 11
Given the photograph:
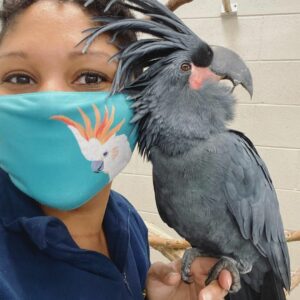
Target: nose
54 84
203 56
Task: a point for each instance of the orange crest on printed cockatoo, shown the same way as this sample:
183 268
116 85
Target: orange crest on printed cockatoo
99 143
102 131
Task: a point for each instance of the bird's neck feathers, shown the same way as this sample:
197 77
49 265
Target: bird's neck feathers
181 118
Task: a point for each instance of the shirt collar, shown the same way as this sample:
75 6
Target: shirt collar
20 213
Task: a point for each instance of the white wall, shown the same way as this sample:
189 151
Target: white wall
266 34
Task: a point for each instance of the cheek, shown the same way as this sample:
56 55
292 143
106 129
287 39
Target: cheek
199 76
114 153
195 83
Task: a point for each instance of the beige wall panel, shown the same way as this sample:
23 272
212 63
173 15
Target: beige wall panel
269 125
209 8
277 126
281 37
298 172
290 207
254 38
243 35
138 165
274 83
243 121
289 202
155 219
138 189
281 165
295 264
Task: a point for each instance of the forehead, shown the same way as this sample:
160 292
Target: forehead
51 26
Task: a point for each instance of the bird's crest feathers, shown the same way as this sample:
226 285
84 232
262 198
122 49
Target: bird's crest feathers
170 35
102 130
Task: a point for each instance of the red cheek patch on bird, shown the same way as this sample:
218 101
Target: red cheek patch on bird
199 76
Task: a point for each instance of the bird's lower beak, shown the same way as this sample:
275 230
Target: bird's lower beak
228 65
97 166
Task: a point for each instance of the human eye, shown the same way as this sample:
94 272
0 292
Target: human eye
18 79
91 78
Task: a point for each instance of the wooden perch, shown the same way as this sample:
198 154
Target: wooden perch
174 4
292 236
173 249
295 279
157 240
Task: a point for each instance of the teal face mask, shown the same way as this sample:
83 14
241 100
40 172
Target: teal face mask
62 148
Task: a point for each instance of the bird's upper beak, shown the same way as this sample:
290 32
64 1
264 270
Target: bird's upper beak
97 166
228 65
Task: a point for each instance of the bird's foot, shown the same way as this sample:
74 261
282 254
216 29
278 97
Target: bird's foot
230 265
188 257
224 263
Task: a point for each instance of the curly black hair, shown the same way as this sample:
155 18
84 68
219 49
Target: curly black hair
12 8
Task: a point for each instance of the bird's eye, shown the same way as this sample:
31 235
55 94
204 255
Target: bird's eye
105 153
186 67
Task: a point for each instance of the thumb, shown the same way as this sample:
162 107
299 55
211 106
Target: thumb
213 291
167 274
225 279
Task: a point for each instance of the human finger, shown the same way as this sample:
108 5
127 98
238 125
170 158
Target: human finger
225 279
165 273
213 292
200 269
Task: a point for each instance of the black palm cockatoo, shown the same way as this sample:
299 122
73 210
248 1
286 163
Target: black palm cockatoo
210 184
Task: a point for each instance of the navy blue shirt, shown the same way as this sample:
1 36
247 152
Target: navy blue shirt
40 261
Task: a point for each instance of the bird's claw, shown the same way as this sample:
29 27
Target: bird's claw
187 259
223 263
230 265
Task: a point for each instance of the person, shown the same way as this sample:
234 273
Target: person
99 249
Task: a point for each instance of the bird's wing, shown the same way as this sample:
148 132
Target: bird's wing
252 200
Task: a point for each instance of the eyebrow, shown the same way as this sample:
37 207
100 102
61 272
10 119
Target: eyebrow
89 53
14 54
73 54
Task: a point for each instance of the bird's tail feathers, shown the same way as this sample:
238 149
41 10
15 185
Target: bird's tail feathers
245 293
271 290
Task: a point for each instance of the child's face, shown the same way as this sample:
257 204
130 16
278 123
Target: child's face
38 52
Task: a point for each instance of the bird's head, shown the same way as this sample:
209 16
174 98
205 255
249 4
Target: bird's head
106 156
173 43
213 63
179 74
113 157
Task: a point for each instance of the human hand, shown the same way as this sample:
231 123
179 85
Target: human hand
164 282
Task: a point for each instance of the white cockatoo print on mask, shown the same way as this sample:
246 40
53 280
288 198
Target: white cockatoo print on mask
107 152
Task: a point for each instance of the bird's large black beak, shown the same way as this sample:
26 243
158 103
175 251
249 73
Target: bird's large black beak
229 65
